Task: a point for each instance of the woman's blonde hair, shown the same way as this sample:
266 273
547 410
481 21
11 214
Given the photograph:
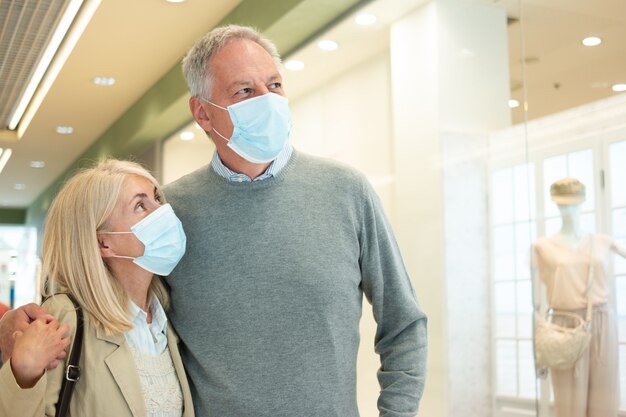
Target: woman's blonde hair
71 254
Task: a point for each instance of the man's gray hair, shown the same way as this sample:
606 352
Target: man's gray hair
196 62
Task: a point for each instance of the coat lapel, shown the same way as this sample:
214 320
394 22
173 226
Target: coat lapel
122 366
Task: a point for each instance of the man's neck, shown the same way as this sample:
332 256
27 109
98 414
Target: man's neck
239 165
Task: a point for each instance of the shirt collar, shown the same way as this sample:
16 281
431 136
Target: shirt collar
274 168
139 317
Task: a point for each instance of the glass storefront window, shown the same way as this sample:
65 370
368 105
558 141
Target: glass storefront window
19 265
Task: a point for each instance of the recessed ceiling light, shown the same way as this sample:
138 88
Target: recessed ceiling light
513 103
592 41
619 87
365 19
65 130
104 81
20 187
327 45
187 135
294 65
37 164
175 1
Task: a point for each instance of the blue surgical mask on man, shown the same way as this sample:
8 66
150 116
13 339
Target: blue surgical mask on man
162 234
261 127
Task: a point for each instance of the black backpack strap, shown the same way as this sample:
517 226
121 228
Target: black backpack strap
72 370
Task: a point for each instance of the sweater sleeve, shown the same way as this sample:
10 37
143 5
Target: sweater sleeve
41 399
401 339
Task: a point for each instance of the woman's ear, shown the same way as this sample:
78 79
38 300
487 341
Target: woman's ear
105 250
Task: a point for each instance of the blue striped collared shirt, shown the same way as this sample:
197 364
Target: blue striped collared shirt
274 168
144 337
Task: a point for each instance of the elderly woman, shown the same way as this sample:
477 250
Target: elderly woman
108 237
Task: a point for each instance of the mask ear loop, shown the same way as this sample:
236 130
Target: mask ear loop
117 233
219 107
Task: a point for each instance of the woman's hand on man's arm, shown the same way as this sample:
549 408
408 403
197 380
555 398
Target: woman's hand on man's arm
35 348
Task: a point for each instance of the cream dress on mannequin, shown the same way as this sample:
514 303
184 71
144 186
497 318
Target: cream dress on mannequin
561 271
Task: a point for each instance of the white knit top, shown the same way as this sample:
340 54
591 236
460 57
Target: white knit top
159 383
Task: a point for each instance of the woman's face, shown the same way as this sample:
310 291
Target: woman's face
138 198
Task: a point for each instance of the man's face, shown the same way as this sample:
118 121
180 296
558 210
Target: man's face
241 70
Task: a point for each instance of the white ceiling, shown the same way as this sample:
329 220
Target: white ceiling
138 41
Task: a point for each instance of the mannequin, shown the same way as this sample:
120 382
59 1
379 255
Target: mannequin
561 271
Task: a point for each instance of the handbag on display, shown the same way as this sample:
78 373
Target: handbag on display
558 346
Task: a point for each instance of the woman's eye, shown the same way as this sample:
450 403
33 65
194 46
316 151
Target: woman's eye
275 86
158 199
140 207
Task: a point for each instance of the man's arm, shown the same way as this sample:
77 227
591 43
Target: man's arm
401 339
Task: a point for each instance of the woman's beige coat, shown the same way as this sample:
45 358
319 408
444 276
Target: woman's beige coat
108 386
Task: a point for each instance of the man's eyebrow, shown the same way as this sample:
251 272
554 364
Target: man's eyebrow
240 83
248 83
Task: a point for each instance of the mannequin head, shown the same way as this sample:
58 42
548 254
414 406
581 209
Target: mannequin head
569 195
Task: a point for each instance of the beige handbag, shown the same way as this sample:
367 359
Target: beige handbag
560 347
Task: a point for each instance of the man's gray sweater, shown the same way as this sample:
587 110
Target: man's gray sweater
267 298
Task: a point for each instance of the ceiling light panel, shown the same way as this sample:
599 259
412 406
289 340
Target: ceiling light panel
27 27
5 154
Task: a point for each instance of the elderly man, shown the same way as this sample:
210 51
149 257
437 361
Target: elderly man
281 247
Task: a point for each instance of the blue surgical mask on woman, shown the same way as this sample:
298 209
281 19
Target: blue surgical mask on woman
164 239
261 127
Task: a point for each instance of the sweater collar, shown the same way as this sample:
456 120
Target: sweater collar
275 167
